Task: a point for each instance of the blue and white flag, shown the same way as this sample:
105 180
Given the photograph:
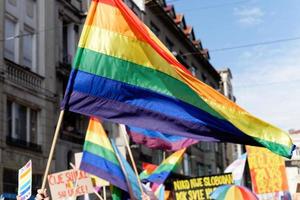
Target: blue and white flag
237 169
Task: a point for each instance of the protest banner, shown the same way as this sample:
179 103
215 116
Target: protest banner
199 188
69 183
25 181
267 171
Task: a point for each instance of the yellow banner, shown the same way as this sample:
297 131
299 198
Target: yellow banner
267 170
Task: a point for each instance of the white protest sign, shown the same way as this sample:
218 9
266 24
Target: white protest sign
25 181
69 183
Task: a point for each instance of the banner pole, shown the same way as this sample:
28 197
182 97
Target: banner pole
52 148
131 158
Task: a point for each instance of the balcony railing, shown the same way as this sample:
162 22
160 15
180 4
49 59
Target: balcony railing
23 76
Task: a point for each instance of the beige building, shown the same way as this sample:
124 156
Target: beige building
38 40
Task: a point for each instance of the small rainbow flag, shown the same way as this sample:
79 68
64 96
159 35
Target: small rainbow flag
148 169
25 181
162 172
99 158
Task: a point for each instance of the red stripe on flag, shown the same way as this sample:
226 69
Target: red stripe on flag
109 2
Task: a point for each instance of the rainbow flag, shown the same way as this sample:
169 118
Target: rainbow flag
123 73
99 158
25 181
161 173
158 140
148 169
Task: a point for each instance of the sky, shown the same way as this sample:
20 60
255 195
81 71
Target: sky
266 78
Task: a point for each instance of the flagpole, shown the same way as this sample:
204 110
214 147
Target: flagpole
125 174
131 158
104 192
98 195
52 148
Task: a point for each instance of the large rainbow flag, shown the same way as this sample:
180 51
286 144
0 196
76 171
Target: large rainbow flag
124 74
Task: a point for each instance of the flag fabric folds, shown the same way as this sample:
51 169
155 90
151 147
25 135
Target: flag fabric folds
161 173
99 158
237 169
158 140
129 173
123 73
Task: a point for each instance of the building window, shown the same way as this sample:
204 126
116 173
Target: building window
10 32
70 36
193 70
22 123
66 57
154 29
205 146
10 181
216 147
27 48
21 21
187 164
203 77
201 169
169 44
209 170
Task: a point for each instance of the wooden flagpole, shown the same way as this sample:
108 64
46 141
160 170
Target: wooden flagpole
131 158
52 148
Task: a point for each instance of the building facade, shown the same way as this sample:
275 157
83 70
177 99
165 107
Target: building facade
38 40
293 166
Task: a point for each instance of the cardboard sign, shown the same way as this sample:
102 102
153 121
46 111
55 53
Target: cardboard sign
199 188
69 183
267 171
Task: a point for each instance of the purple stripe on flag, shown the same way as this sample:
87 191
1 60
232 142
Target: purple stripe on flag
123 113
151 142
104 175
158 140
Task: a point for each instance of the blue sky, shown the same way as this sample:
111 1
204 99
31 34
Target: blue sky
266 78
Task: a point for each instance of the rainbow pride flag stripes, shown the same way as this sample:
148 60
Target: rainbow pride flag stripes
161 173
25 181
99 158
124 74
